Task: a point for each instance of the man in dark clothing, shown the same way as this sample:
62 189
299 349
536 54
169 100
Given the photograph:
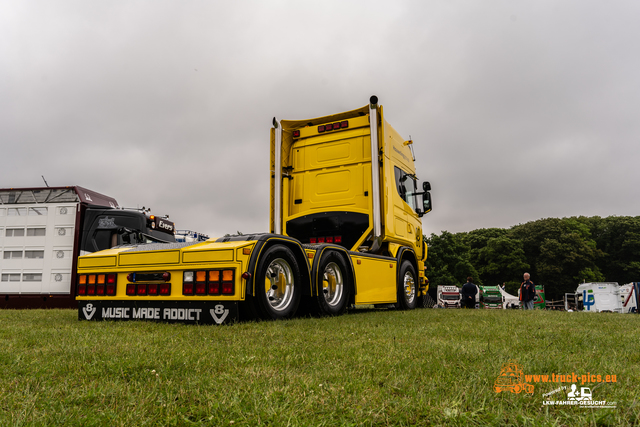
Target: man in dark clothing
527 293
469 291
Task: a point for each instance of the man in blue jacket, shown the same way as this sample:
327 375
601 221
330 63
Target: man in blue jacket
527 292
469 291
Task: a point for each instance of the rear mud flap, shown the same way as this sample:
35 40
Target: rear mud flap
200 312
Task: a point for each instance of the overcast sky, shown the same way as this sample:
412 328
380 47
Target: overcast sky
519 110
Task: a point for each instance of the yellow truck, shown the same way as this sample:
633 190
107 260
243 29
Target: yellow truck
345 229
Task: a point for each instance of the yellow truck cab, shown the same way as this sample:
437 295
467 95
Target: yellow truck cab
345 229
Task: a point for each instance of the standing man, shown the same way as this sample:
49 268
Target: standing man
527 293
469 291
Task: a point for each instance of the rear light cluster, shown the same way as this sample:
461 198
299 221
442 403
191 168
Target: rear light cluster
326 239
151 289
97 284
208 282
333 126
326 128
135 288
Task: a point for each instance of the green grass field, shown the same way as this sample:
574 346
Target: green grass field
369 368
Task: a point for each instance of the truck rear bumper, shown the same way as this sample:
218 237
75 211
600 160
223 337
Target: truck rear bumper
201 312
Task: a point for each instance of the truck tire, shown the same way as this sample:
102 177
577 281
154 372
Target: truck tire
277 284
334 285
407 286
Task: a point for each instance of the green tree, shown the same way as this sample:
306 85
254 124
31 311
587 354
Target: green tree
559 250
501 260
448 260
619 239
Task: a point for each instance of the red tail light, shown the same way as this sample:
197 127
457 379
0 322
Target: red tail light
187 289
165 289
214 288
313 240
141 289
111 290
201 288
152 289
100 290
337 239
82 289
91 290
329 239
227 288
131 289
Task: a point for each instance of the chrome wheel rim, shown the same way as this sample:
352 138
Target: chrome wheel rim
278 284
409 287
332 284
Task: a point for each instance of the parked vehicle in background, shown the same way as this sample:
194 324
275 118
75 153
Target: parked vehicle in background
43 230
599 297
190 236
489 296
629 297
449 296
539 301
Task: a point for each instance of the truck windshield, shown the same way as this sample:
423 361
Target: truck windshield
452 297
406 186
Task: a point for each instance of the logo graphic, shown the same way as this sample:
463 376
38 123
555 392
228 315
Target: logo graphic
89 311
588 301
581 398
512 379
219 310
582 395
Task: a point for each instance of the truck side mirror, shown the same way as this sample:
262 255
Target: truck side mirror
426 202
426 186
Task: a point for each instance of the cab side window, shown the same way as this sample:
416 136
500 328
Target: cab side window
406 186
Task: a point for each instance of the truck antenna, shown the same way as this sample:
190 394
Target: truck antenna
45 181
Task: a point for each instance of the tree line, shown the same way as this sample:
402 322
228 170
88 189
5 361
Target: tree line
558 253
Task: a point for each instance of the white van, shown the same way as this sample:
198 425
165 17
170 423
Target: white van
628 298
598 297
